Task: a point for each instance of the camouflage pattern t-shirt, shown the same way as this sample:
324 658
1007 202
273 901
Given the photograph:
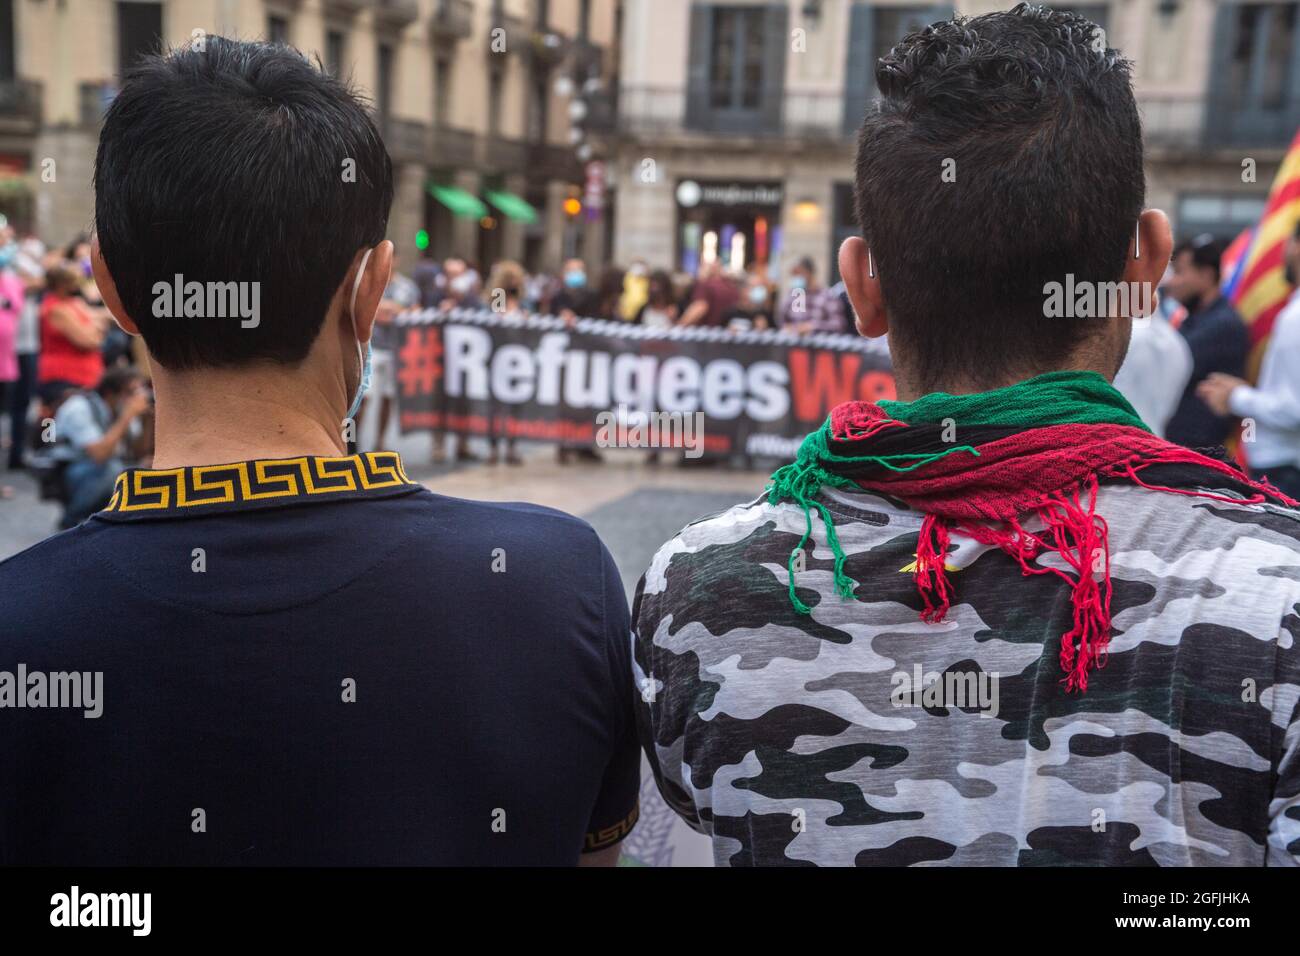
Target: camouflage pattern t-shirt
861 735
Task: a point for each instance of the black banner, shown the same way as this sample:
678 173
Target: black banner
597 383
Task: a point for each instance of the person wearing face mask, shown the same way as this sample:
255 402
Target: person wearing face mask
810 308
339 666
574 300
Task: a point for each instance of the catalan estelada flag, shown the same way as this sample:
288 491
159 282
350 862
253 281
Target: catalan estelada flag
1252 265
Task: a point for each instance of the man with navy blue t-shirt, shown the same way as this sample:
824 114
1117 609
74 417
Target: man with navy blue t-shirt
265 651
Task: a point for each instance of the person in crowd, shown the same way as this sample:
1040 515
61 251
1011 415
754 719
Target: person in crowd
575 299
425 275
895 656
460 287
28 264
505 297
660 310
1272 440
77 255
400 295
12 299
1214 332
302 644
95 440
608 294
808 307
754 307
1156 368
636 289
714 298
72 334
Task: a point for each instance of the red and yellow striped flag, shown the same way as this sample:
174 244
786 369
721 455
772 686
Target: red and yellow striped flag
1253 264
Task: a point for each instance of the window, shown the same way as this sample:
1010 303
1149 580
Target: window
334 46
584 19
1255 80
736 73
736 67
441 89
6 40
139 32
277 29
384 81
1221 216
496 83
539 112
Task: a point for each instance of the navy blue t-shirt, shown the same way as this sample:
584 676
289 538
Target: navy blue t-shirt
314 661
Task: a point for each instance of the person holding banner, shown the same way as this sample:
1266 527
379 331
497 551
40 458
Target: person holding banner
996 621
272 652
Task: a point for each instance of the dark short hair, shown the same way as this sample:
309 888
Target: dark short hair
1047 148
1206 251
231 163
117 379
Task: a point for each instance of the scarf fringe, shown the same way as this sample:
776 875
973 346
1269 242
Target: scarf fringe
1081 538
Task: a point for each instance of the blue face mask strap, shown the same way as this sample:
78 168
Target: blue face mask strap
363 356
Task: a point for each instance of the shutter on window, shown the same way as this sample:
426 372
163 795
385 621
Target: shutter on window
776 41
701 59
860 68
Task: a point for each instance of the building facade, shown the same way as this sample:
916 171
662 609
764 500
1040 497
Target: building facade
734 136
481 103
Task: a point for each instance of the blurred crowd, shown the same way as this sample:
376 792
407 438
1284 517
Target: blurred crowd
77 404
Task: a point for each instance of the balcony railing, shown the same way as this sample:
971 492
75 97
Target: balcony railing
397 13
518 38
20 105
1172 122
345 8
549 161
452 20
1200 124
453 147
507 155
665 111
407 140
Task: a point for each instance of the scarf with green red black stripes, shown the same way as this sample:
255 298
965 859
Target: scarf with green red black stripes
980 464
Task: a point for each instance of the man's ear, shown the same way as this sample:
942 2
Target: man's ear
1148 255
858 270
370 292
108 288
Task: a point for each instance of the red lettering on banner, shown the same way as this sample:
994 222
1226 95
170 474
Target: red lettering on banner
421 365
831 380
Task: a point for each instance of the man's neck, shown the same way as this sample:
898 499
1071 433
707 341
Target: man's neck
910 387
219 416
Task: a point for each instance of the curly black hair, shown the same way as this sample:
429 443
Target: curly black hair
1004 152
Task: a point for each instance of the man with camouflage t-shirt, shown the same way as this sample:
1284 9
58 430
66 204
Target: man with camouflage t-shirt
997 622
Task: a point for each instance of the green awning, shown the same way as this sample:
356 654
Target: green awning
458 201
515 208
